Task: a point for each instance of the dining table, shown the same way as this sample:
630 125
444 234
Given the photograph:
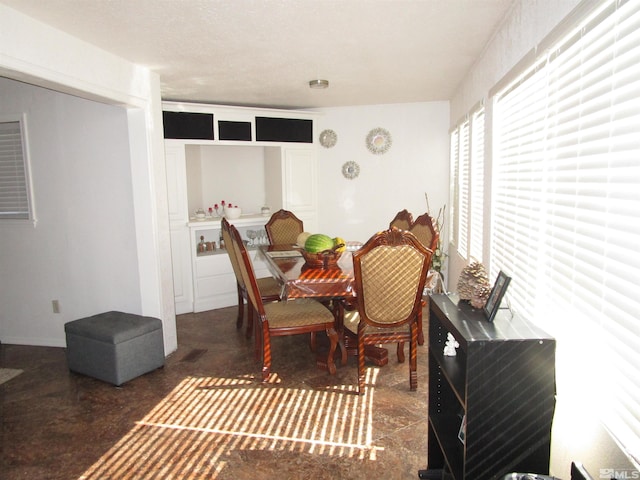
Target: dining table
333 285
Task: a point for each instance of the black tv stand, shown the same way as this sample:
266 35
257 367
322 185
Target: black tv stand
501 382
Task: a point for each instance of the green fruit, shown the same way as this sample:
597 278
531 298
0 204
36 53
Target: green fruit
318 243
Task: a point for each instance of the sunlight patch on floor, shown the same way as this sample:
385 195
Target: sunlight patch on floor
192 431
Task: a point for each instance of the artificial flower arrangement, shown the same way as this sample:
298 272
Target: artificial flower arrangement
222 208
439 256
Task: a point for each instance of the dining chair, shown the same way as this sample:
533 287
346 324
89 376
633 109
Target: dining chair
290 317
270 288
283 228
389 275
425 229
403 220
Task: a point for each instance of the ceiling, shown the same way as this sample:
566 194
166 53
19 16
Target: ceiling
265 52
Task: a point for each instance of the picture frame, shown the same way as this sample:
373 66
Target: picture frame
462 432
495 297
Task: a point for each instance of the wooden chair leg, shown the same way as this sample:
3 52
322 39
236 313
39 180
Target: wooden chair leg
413 359
420 334
338 314
360 365
258 341
240 309
343 349
333 338
400 352
266 351
250 315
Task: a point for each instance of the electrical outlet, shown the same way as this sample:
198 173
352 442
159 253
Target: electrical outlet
56 306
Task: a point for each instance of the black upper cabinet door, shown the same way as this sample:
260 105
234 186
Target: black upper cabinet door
270 129
229 130
188 125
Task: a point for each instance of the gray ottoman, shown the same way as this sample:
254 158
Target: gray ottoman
114 346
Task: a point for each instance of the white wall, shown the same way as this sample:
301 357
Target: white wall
35 53
417 163
209 168
576 435
82 251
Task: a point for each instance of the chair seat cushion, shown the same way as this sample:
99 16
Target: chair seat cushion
269 287
297 313
352 319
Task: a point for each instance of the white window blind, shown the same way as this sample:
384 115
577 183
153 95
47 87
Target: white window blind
566 208
467 164
463 190
14 185
454 166
476 209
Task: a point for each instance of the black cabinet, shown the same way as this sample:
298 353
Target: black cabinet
230 130
278 129
500 384
188 125
199 125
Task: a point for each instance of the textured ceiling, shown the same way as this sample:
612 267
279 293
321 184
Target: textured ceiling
264 52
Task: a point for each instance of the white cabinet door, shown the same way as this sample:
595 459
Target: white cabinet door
300 179
176 165
215 283
181 262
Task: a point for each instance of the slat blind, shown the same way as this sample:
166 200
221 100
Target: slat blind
517 188
566 197
14 197
477 186
455 172
463 189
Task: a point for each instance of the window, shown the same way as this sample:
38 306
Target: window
565 203
476 210
455 168
15 191
467 163
463 189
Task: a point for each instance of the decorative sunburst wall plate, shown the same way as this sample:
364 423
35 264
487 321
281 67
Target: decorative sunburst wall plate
328 138
350 170
378 141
